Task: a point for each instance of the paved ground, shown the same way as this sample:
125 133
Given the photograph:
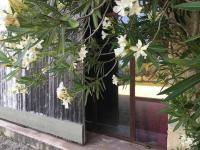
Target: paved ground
42 141
9 144
104 143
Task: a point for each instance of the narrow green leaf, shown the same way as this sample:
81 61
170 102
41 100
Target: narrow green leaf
95 20
10 75
191 6
181 87
178 125
192 38
61 47
195 62
173 120
3 58
153 59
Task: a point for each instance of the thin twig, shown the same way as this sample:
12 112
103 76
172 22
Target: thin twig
98 25
92 11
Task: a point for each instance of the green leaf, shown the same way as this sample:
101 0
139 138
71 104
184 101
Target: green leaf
21 30
3 58
153 59
73 23
173 120
49 39
178 125
193 38
11 74
191 6
181 87
95 20
195 62
61 46
43 5
157 48
25 80
83 8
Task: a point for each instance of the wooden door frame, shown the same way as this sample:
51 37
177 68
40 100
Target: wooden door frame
132 113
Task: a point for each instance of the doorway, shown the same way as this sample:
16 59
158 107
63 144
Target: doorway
132 113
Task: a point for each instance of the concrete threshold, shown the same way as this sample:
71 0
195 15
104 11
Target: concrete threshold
41 141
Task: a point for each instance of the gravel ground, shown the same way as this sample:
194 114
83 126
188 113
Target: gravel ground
9 144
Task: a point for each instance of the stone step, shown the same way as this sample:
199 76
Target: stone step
42 141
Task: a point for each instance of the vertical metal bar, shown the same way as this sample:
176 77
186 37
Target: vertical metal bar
132 102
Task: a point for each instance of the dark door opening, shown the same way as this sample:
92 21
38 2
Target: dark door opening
125 114
121 112
110 114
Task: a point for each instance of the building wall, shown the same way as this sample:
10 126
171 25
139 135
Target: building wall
177 139
173 139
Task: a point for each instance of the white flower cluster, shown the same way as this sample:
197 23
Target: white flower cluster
5 6
186 142
106 23
127 7
74 64
122 42
63 95
31 54
82 54
45 70
115 80
20 88
139 50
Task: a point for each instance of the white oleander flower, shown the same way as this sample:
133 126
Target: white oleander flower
135 9
74 65
127 7
119 51
60 6
106 23
82 53
139 50
20 88
39 44
11 20
123 7
45 70
186 142
103 35
63 95
122 42
2 27
115 80
30 56
66 104
19 46
4 7
10 45
25 41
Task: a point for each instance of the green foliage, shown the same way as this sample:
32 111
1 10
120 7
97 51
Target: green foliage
191 6
59 29
181 87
